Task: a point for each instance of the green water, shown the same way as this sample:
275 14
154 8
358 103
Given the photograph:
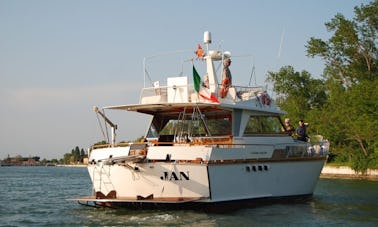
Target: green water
36 196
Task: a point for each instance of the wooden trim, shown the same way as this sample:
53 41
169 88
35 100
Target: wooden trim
246 161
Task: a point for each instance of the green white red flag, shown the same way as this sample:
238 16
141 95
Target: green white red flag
202 92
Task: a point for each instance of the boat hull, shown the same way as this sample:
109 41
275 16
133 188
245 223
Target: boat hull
175 184
264 179
225 206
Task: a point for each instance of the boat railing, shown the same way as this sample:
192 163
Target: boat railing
186 93
245 93
280 151
154 95
165 94
108 145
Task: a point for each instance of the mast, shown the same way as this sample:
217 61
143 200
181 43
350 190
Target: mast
112 125
213 80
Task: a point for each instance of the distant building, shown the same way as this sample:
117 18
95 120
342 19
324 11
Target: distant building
18 160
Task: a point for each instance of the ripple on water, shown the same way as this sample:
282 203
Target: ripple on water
36 196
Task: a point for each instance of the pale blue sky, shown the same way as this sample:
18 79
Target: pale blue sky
59 58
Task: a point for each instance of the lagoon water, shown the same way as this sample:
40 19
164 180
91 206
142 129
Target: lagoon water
36 196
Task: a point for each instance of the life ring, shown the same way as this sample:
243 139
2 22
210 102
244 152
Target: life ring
224 88
265 99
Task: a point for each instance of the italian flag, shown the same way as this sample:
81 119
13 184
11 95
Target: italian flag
202 92
196 80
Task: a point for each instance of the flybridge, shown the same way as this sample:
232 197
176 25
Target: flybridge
205 88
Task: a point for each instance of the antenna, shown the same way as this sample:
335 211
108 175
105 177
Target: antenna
207 39
252 74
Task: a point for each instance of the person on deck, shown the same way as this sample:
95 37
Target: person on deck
288 128
226 78
301 131
226 75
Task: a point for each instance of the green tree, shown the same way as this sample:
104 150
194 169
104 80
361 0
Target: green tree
351 72
103 142
351 53
75 154
67 158
297 92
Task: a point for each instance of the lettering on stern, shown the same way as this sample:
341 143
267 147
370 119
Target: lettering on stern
173 176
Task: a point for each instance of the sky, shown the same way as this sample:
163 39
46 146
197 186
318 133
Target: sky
58 59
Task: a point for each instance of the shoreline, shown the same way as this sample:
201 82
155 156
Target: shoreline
67 165
345 172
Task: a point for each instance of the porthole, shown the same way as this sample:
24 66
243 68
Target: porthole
255 168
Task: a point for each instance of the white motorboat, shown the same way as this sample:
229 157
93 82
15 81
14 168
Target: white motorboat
206 144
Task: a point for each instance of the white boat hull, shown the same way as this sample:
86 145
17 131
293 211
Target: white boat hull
160 182
271 179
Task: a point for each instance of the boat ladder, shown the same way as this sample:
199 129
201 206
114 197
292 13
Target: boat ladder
101 178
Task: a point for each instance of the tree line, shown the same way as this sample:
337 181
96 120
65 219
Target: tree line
342 105
76 156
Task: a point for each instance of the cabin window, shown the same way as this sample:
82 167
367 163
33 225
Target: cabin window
219 127
152 132
215 127
263 125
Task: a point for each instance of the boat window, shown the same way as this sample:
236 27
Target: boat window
170 127
196 128
152 132
263 125
219 127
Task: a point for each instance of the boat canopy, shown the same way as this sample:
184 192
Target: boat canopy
177 107
163 107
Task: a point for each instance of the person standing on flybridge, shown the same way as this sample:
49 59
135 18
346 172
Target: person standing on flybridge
226 78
